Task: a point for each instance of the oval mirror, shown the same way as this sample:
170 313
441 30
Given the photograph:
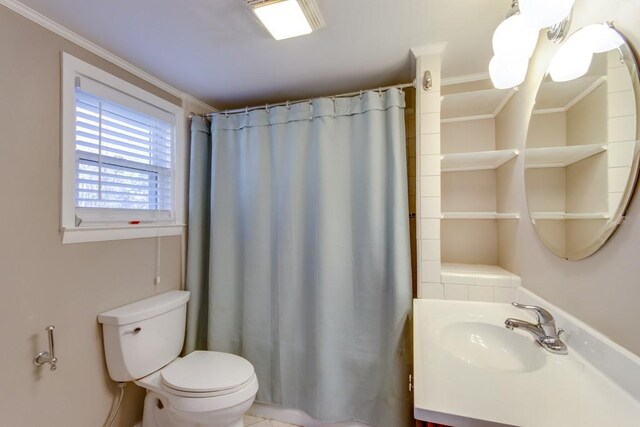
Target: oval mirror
581 157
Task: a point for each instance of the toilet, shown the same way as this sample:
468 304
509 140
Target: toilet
142 342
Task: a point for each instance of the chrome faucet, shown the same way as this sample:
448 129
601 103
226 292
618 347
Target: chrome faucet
544 332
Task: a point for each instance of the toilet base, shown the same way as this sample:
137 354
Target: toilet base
159 413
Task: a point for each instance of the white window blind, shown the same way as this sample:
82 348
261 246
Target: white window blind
124 158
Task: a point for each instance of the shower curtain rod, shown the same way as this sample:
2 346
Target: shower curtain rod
287 103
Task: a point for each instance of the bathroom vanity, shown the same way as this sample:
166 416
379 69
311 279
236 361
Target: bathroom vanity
469 370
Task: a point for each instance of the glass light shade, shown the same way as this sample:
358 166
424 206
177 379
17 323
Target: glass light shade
283 19
599 38
507 72
571 61
545 13
514 37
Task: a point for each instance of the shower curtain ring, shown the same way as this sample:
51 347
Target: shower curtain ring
333 99
246 110
380 92
266 107
360 93
287 105
226 113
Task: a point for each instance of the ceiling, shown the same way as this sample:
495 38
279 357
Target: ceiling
218 52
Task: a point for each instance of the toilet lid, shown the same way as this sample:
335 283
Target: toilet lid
207 371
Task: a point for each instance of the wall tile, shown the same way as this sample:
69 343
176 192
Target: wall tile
430 164
481 293
504 295
430 144
618 178
621 129
431 291
621 104
430 207
620 154
430 250
456 292
430 186
430 272
430 101
430 229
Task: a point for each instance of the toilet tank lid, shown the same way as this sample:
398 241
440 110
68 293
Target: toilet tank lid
144 309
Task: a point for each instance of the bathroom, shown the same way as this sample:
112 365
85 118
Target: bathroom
363 46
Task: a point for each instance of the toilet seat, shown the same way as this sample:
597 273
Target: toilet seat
207 374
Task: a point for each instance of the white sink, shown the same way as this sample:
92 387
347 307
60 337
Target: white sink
470 371
489 346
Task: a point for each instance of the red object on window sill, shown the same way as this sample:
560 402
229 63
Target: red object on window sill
428 424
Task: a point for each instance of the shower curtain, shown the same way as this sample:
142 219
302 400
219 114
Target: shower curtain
299 256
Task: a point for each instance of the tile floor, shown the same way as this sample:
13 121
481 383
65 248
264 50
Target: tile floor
250 420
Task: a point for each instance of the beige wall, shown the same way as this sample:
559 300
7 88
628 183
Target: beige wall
602 290
41 281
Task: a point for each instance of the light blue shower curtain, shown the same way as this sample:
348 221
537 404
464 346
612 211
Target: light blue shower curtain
299 256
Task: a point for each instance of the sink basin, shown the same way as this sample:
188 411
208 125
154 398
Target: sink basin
489 346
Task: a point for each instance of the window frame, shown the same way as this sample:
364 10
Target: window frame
112 229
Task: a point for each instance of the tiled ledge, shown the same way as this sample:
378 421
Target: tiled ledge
474 282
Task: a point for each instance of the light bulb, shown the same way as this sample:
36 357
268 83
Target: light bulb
507 72
514 37
545 13
571 61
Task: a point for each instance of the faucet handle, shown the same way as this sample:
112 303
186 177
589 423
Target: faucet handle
544 317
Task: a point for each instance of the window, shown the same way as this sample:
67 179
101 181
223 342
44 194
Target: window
121 158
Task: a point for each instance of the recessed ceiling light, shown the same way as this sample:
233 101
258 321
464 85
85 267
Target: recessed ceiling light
287 18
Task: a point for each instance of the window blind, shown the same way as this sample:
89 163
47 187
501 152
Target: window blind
124 162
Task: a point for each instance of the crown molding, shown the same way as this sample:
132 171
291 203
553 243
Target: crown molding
64 32
429 49
446 81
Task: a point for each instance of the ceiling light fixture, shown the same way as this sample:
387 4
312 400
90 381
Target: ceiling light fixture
516 37
574 57
287 18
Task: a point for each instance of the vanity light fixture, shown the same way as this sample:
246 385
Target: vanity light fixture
573 59
287 18
515 38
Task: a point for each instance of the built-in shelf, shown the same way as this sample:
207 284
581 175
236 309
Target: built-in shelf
479 215
560 157
474 105
474 161
569 215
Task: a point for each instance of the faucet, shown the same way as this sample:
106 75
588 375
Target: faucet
544 331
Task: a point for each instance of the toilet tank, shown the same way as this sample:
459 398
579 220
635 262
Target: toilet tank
142 337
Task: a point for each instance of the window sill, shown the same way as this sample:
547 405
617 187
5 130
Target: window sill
101 234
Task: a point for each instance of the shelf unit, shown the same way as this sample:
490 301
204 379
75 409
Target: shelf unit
569 215
472 166
560 157
474 161
479 215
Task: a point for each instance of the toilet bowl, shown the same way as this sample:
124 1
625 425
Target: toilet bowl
203 389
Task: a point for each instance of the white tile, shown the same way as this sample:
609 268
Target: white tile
430 186
516 281
459 278
249 420
430 144
429 123
430 229
622 104
430 164
620 154
493 280
276 423
618 178
614 203
430 250
456 292
504 295
618 79
481 293
430 101
431 291
430 207
621 129
430 272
